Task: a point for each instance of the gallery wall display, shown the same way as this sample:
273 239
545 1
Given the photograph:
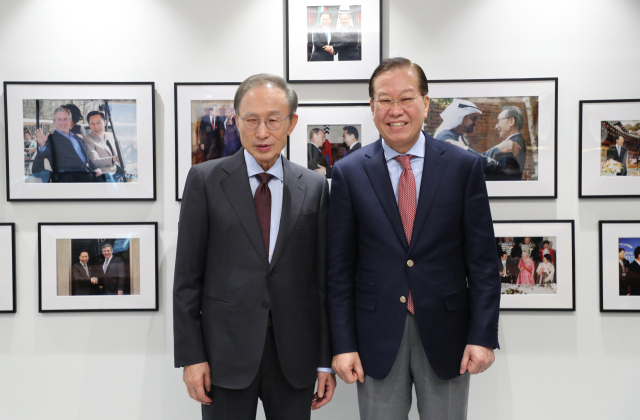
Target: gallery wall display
81 141
536 260
7 268
510 123
98 267
620 266
206 126
609 148
327 133
332 42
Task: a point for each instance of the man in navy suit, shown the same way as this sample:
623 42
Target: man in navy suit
211 132
413 289
321 38
619 154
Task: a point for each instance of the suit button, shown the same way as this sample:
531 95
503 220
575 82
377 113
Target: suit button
403 299
271 272
265 305
410 264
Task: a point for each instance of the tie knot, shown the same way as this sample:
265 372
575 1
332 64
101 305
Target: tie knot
264 177
405 161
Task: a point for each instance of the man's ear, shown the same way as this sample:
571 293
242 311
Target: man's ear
427 102
292 124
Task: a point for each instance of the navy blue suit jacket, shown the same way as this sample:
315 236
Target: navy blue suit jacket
453 278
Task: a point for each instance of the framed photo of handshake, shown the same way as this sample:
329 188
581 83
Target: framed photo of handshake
81 141
98 267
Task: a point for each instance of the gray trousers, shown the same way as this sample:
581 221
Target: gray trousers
390 398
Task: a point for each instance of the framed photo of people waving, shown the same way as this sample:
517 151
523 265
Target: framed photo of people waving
98 266
332 42
81 141
536 263
7 268
609 148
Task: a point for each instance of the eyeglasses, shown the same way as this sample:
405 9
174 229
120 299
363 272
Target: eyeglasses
385 104
273 122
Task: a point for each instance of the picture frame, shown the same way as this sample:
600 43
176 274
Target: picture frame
98 267
74 163
619 268
532 108
7 268
544 279
332 123
332 42
603 171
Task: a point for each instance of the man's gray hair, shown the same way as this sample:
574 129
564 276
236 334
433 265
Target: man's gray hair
313 132
107 245
61 109
515 113
263 79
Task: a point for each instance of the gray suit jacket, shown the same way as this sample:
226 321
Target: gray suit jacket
225 287
99 154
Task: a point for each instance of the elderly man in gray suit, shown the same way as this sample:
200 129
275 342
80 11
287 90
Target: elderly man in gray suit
101 150
250 311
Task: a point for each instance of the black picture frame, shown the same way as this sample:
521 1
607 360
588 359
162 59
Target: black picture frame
635 305
586 178
155 279
572 298
148 185
12 260
482 88
290 74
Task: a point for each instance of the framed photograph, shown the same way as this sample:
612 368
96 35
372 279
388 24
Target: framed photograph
332 42
510 123
620 266
609 148
81 141
327 133
206 126
98 266
7 268
536 260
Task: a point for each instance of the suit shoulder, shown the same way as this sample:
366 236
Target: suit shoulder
309 177
355 159
457 155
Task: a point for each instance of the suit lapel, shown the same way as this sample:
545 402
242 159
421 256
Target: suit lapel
378 173
293 194
238 190
434 165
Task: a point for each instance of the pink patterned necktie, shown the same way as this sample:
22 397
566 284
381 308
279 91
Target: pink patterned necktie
407 204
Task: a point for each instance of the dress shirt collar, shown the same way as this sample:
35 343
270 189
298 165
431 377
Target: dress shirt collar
417 149
70 136
253 168
353 145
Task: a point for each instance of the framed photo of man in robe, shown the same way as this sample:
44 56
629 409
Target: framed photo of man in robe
619 266
7 268
98 267
81 141
327 133
511 124
609 148
536 262
332 42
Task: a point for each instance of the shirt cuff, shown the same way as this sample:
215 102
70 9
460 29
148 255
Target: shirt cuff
327 370
42 149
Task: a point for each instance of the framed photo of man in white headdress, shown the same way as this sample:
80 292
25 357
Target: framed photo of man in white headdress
510 125
332 42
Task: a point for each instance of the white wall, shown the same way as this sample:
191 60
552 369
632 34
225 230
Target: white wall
120 365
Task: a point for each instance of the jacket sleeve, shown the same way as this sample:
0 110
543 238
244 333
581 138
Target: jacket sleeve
480 253
121 277
193 229
326 355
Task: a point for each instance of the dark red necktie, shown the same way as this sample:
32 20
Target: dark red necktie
407 204
262 198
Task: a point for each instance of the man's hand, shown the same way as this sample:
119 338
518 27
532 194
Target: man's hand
476 359
508 146
41 138
120 292
198 378
326 387
321 170
202 147
348 367
329 48
94 280
116 159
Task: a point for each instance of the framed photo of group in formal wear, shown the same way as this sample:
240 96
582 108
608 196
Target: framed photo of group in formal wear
609 148
619 266
536 263
7 268
327 133
81 141
332 42
511 124
98 266
206 126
